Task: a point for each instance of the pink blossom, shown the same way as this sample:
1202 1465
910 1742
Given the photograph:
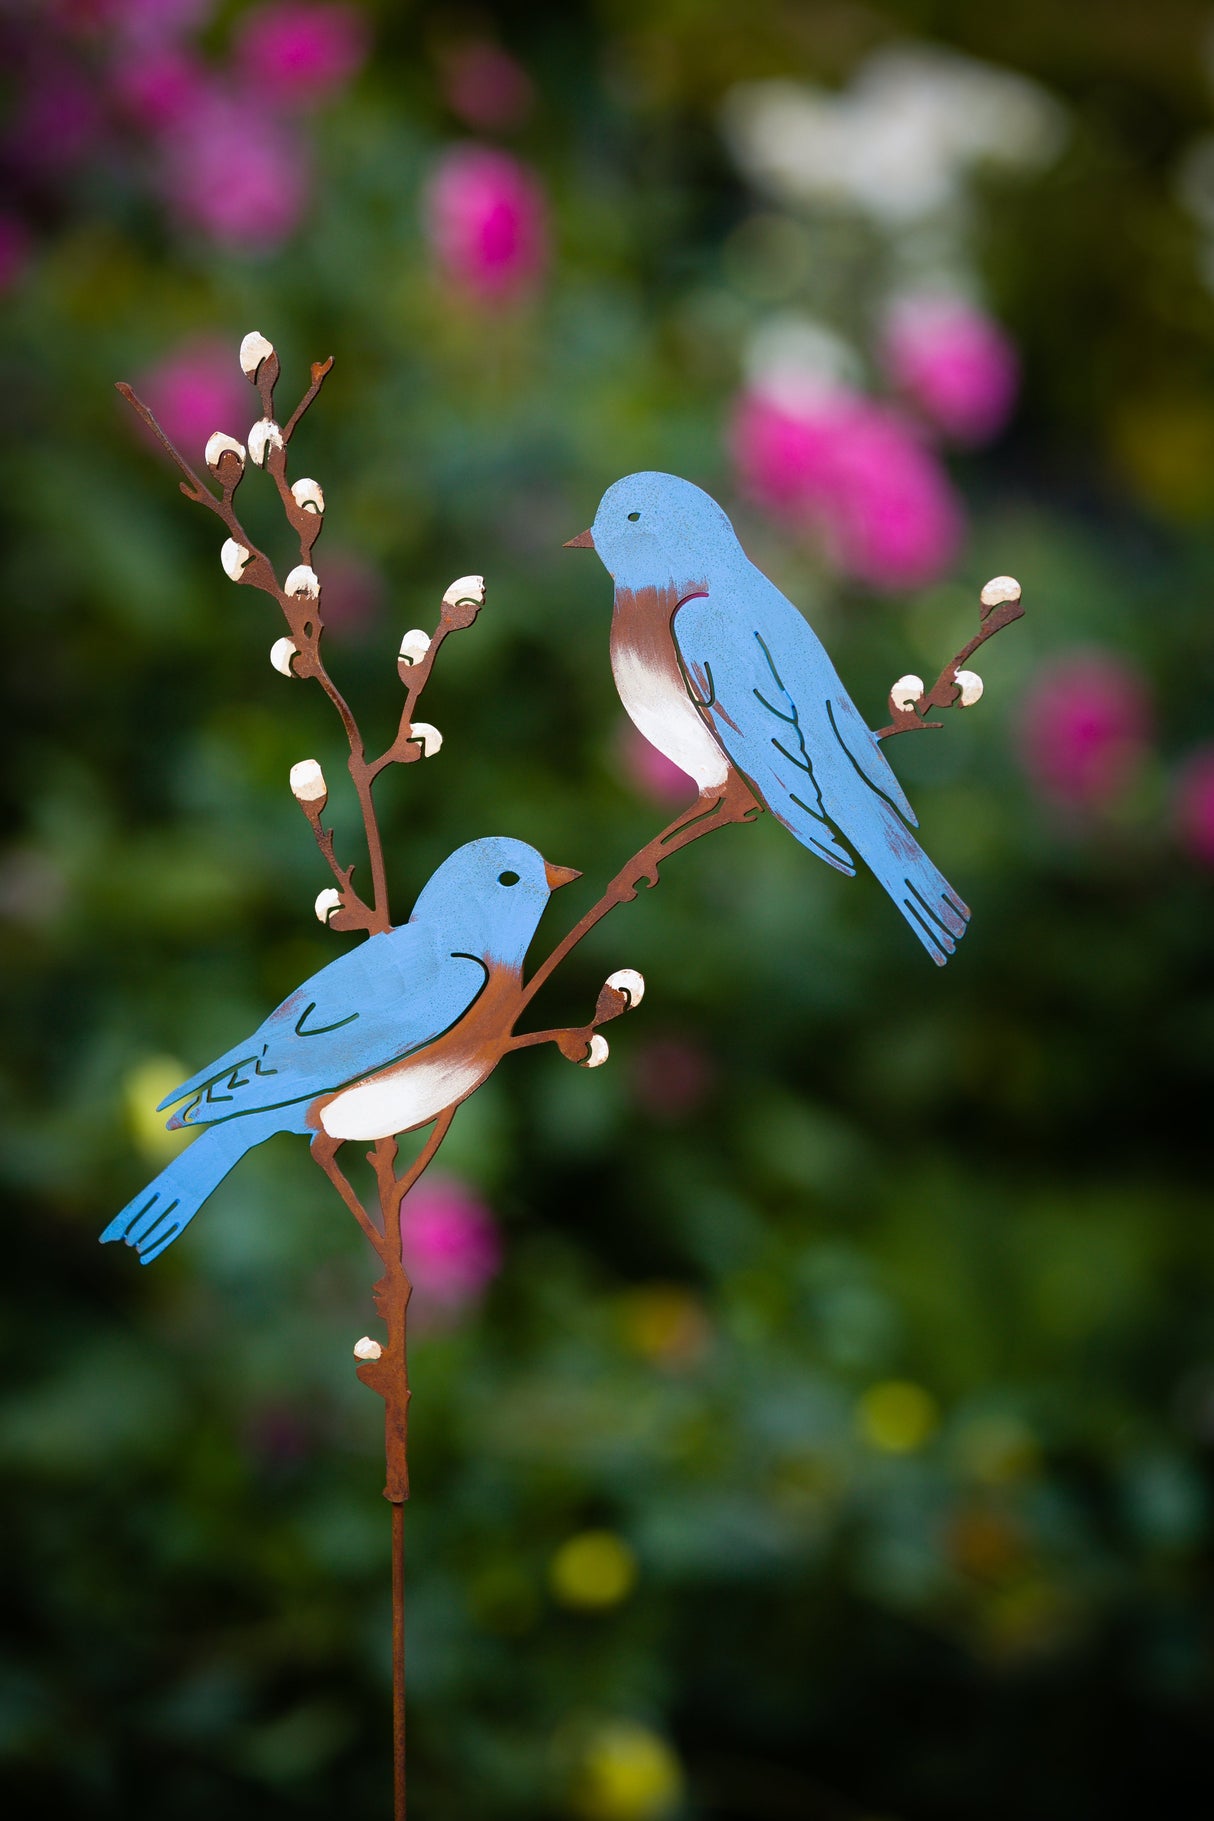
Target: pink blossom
57 120
236 173
672 1076
14 250
649 771
1193 805
197 389
954 363
300 55
158 20
855 473
452 1248
486 87
143 20
157 84
487 220
1084 727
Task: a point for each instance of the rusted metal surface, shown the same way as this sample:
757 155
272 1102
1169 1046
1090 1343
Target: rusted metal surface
487 1032
369 1101
999 606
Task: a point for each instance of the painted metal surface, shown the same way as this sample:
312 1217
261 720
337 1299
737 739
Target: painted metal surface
723 674
717 669
380 1042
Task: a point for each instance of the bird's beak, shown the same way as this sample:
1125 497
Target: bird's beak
559 875
583 541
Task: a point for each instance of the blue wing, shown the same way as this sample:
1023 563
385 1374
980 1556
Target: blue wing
779 708
775 702
394 994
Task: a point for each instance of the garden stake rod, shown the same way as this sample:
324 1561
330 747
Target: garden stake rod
394 1035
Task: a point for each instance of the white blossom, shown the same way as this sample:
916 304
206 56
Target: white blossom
366 1348
309 495
971 686
600 1049
999 589
233 556
264 436
219 445
430 738
900 142
326 903
283 652
469 588
302 580
414 646
253 350
308 782
906 692
628 980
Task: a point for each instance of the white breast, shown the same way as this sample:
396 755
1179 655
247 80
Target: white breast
661 707
399 1099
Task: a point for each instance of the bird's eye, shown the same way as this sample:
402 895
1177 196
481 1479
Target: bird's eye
633 517
507 878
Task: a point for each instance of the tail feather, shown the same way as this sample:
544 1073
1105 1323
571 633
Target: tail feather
938 917
155 1217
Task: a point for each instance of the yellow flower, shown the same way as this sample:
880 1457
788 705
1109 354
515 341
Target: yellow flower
592 1571
897 1416
143 1088
627 1774
666 1324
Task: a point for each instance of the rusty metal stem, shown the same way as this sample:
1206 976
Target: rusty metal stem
398 1660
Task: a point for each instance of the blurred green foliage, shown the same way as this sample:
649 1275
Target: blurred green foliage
888 1359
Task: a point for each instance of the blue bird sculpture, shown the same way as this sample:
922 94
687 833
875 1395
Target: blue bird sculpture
724 676
387 1038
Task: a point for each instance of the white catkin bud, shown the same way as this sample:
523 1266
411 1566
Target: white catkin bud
430 738
218 445
600 1049
999 589
366 1348
971 686
264 436
302 580
326 903
469 588
309 495
253 350
414 646
233 556
906 692
628 980
282 654
308 782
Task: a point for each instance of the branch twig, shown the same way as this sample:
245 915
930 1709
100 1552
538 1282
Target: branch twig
908 705
303 507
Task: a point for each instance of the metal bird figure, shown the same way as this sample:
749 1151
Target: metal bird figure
387 1038
724 676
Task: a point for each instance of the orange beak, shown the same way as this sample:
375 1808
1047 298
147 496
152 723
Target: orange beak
559 875
583 541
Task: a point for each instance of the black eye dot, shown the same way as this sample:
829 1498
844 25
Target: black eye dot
507 878
634 516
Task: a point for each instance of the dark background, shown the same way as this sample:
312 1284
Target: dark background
860 1314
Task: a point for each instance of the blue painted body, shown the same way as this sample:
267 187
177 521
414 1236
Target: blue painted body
389 999
766 689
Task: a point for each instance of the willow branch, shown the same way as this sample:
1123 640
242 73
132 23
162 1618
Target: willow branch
733 803
302 611
1000 605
